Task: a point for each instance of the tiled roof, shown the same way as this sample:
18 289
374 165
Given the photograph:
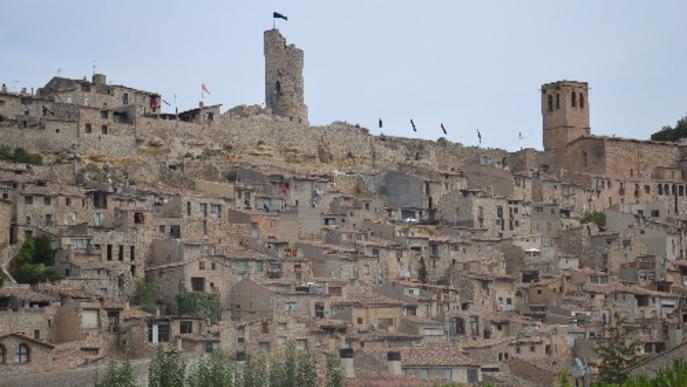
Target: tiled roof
434 356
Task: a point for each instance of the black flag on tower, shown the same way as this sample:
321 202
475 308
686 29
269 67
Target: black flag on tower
277 15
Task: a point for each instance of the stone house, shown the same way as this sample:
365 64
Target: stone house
369 311
98 94
22 354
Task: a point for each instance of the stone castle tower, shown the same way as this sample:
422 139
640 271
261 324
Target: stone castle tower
565 113
284 78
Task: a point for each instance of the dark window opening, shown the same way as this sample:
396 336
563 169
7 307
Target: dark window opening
186 327
278 87
573 99
558 101
550 103
103 129
581 100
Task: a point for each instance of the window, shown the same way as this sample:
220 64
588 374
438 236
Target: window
655 213
448 374
120 253
264 346
584 158
581 100
163 332
2 354
88 128
175 231
98 219
188 208
198 284
290 306
259 267
573 99
213 266
186 326
46 201
558 101
37 334
209 347
550 103
161 229
103 114
125 99
132 253
22 355
474 325
103 129
360 320
28 200
201 265
265 327
109 252
473 376
532 348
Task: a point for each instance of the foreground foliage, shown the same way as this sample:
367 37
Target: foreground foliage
118 374
674 375
33 262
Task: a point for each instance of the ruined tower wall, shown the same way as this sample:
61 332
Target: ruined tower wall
284 78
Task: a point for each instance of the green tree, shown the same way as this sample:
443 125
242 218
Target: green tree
214 370
255 372
615 355
668 133
199 304
335 376
596 217
422 273
293 369
166 369
33 262
564 378
144 296
118 375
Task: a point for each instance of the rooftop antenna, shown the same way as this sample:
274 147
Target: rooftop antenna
93 62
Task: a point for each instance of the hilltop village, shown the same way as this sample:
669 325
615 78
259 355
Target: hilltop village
412 260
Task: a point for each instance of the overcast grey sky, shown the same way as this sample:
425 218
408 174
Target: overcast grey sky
467 64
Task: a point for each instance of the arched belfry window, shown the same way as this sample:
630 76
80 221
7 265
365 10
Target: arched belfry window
581 100
585 161
573 99
558 101
550 102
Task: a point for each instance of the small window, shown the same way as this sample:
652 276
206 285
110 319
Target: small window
573 99
103 129
88 128
186 326
2 354
558 101
103 114
22 355
28 200
581 100
264 347
46 201
550 102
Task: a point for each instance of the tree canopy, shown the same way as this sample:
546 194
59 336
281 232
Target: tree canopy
669 133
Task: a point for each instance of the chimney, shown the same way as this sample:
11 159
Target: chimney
346 355
99 79
23 91
200 104
180 346
127 306
393 361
